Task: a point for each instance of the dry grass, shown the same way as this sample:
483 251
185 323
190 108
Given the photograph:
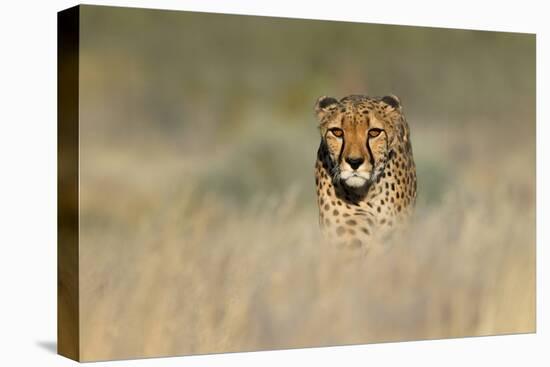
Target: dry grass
198 216
169 268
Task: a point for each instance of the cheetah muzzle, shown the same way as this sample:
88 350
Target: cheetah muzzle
365 172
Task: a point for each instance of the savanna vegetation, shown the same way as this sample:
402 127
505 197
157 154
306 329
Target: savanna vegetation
198 228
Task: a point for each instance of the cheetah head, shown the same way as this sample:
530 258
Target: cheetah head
359 134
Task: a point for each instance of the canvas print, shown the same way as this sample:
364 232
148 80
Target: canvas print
233 183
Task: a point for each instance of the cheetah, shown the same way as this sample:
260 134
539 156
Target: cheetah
365 172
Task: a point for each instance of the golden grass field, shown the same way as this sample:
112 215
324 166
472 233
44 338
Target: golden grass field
198 224
168 269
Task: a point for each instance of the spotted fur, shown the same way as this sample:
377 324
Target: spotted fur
365 172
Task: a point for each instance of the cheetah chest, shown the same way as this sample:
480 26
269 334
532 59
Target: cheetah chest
355 219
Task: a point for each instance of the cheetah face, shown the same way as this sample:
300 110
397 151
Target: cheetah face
358 133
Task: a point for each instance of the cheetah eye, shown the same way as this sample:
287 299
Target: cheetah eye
373 133
337 132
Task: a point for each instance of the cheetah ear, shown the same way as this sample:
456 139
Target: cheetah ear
323 105
392 101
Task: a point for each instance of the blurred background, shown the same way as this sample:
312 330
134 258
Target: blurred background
198 222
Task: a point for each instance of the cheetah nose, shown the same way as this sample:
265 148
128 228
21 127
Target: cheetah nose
354 162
